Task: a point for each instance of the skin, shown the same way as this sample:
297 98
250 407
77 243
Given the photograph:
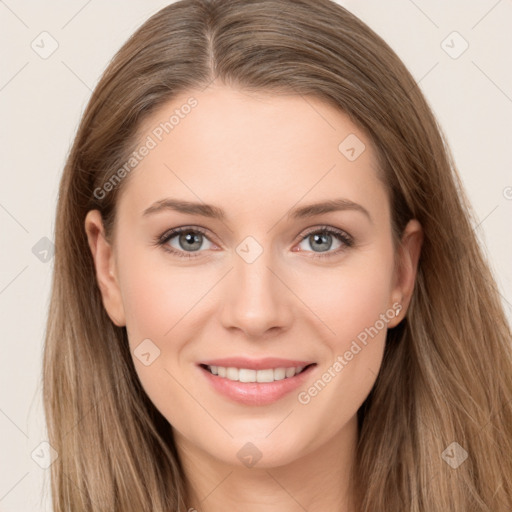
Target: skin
257 156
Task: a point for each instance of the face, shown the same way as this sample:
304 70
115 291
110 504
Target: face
267 282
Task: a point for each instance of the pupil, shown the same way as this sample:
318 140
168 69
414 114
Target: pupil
191 239
323 239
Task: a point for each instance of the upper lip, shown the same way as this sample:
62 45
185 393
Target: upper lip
256 364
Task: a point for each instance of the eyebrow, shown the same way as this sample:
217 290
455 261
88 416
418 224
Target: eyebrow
214 212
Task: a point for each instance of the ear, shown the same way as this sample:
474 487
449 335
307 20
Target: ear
105 264
406 269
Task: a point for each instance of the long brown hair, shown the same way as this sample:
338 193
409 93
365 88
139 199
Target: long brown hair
446 376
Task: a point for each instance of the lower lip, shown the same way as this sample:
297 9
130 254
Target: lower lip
256 393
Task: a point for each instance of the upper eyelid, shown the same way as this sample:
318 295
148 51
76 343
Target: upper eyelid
171 233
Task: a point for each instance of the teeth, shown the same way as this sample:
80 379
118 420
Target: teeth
290 372
244 375
247 375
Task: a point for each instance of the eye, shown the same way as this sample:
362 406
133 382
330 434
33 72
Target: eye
183 240
322 239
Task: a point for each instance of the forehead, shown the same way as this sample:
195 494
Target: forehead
250 151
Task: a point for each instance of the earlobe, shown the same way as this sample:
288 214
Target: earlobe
408 257
104 263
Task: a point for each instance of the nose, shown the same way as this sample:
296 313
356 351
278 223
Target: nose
256 298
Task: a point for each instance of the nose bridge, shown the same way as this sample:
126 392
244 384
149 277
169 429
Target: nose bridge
255 300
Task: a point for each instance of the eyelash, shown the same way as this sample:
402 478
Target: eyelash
337 233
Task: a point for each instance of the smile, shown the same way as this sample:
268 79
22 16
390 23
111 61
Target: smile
249 375
250 386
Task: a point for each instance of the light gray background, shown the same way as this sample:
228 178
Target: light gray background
41 101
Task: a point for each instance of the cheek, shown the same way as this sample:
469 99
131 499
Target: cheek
351 297
353 303
160 300
157 297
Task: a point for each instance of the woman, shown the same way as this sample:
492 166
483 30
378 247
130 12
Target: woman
254 371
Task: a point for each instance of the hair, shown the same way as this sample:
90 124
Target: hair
446 374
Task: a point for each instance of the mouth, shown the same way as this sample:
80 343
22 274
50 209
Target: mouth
264 375
256 386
